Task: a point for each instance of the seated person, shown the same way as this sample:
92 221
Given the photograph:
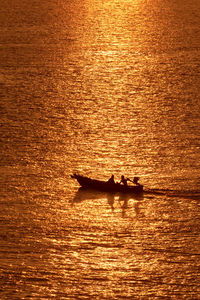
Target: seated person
123 180
111 180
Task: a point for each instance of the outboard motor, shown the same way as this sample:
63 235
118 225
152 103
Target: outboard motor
135 180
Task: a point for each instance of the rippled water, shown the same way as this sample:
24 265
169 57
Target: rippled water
101 88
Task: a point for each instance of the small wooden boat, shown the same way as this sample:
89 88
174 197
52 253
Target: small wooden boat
106 186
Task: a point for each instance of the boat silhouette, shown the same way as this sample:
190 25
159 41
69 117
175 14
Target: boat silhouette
107 186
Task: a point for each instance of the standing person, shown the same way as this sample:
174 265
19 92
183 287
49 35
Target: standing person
123 180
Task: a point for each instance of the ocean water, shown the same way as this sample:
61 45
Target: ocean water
100 88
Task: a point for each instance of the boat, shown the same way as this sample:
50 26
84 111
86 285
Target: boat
106 186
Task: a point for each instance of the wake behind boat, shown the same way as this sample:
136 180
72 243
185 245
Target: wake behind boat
107 186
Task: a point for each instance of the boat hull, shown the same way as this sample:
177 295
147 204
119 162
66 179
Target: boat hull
89 183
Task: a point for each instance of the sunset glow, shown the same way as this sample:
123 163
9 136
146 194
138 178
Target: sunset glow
99 181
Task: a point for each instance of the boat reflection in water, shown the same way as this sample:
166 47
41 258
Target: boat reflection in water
87 194
113 199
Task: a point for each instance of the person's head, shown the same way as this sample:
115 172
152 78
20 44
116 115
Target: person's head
122 177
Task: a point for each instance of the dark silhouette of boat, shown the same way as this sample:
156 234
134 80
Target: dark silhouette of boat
106 186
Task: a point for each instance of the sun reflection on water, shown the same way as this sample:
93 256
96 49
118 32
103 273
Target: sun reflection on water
101 87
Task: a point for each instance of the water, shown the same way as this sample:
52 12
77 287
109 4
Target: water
99 87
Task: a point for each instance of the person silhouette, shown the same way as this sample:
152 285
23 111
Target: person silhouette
123 180
111 180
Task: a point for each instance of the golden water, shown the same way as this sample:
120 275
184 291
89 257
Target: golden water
100 88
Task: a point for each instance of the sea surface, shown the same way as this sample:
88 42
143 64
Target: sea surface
99 88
